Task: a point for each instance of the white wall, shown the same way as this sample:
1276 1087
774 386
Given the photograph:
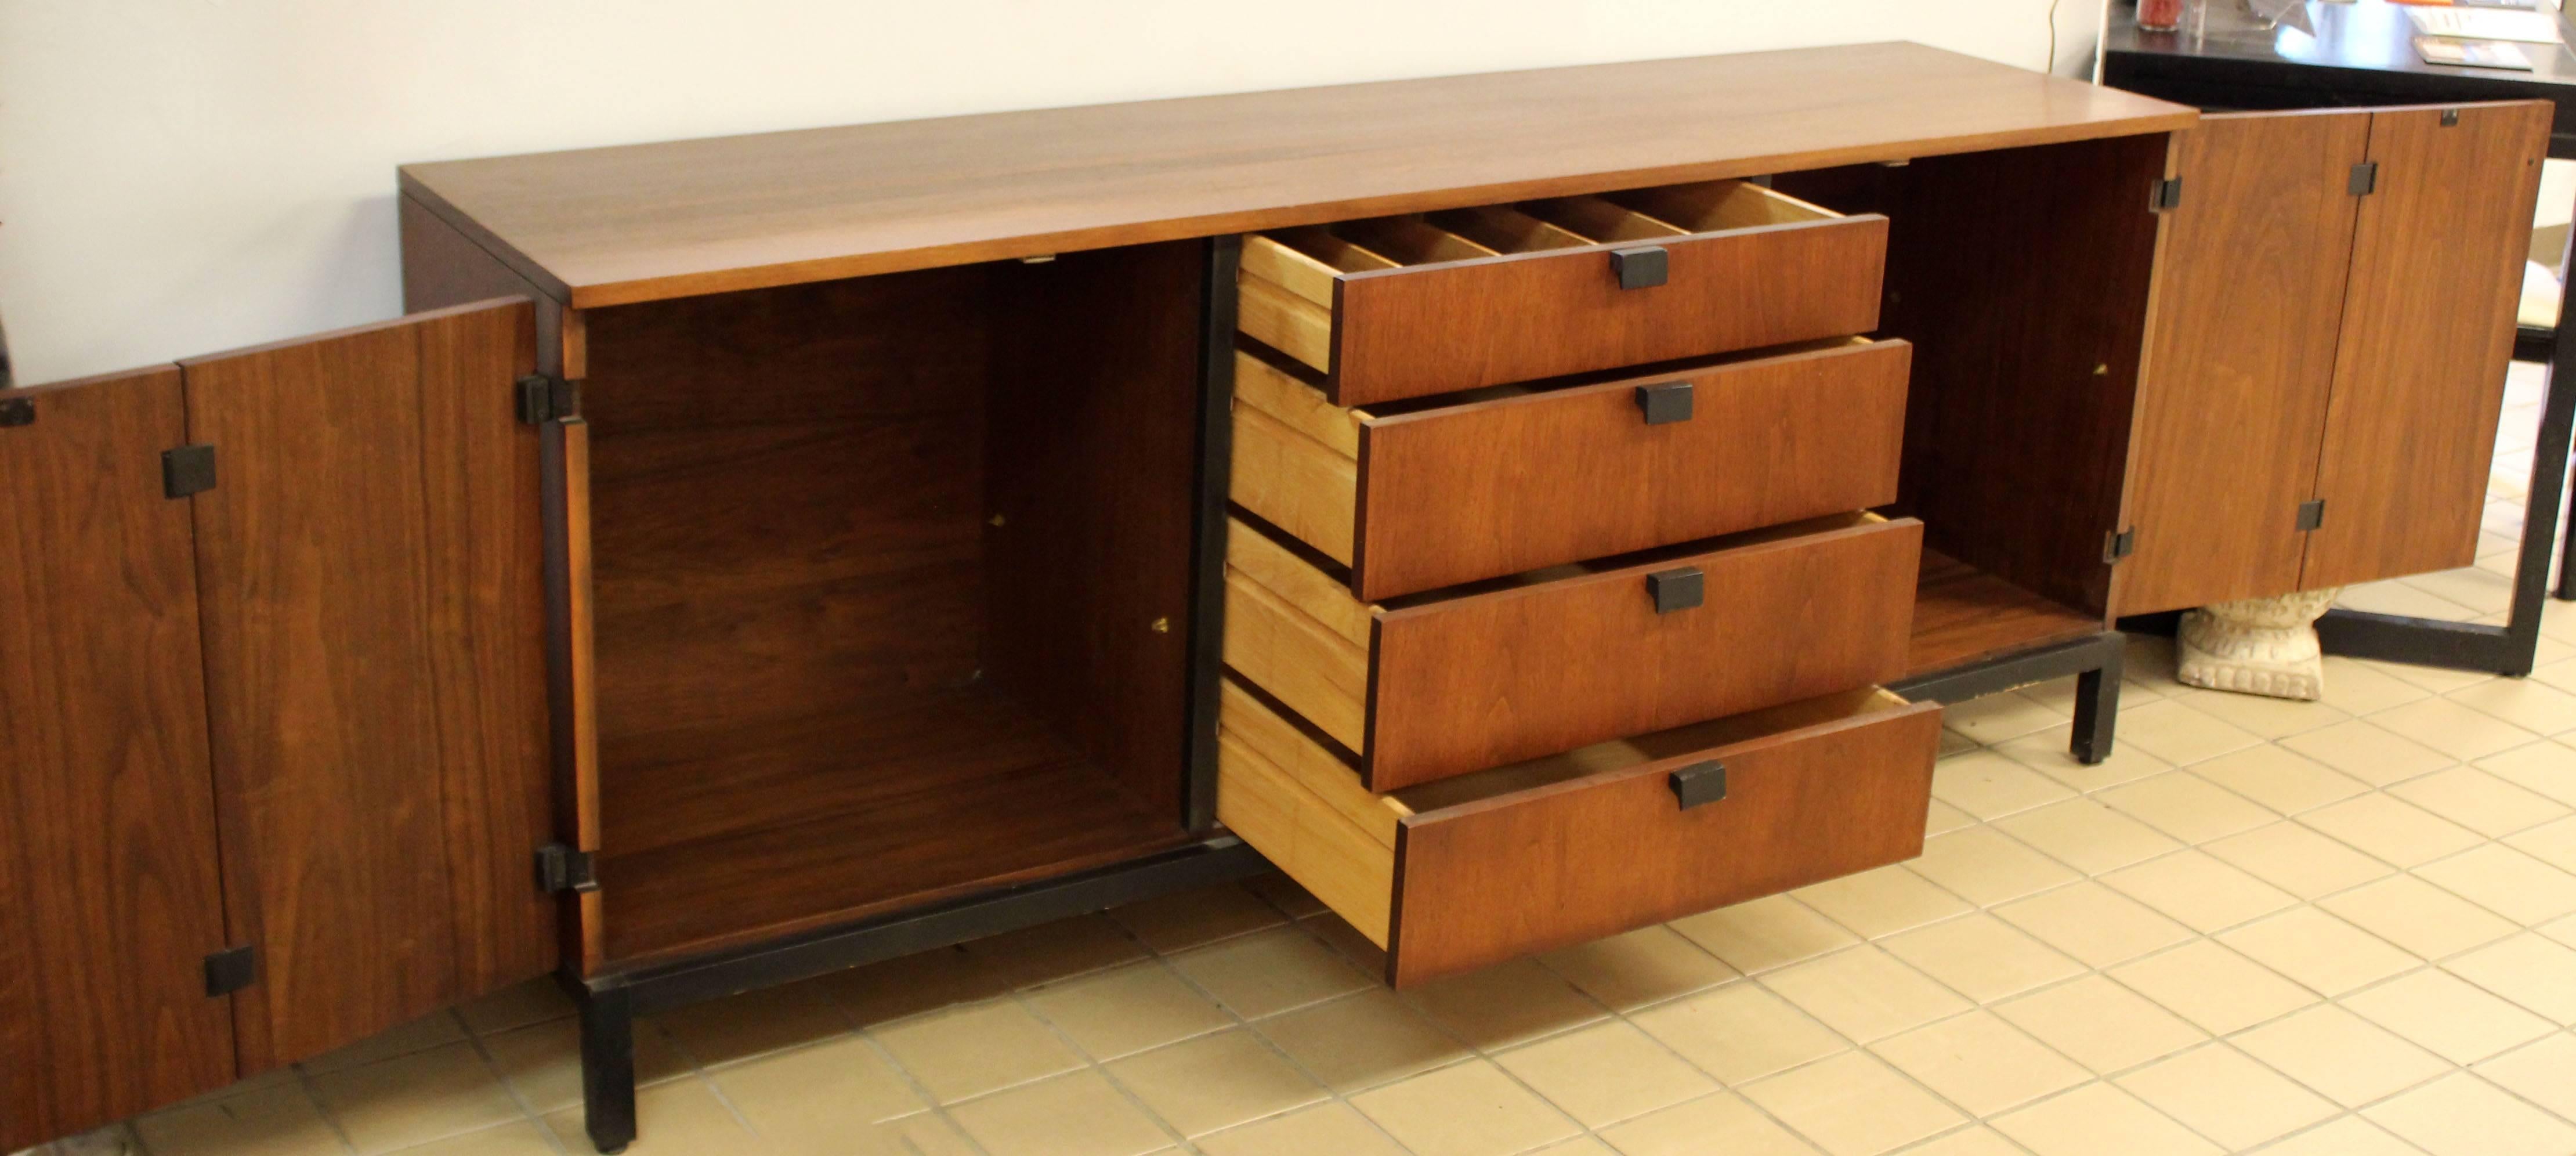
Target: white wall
182 176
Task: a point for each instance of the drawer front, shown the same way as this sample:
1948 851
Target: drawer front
1490 488
1468 683
1419 330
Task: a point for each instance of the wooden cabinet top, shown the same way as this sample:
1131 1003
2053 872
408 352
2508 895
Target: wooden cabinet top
611 226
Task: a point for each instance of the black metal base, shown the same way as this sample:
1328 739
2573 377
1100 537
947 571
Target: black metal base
2095 661
610 1003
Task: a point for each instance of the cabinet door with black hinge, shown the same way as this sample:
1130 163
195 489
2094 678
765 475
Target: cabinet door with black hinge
109 896
370 561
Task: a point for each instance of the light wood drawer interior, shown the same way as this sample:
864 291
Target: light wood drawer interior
1538 855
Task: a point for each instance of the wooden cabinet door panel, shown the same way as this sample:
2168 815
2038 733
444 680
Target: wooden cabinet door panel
370 562
109 896
2428 323
2240 356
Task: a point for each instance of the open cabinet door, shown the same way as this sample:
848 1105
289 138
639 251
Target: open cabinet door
2428 322
2240 356
109 899
370 562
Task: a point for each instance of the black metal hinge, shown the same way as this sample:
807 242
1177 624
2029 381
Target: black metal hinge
187 470
561 869
17 411
2118 545
2166 196
2364 180
231 970
2312 515
543 399
2450 118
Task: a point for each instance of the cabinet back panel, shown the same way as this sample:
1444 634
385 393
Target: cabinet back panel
103 1006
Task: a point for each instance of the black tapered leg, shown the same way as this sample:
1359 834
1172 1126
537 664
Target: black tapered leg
2567 568
608 1067
2097 705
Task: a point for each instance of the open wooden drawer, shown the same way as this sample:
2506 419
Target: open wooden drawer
1527 858
1412 496
1396 307
1462 679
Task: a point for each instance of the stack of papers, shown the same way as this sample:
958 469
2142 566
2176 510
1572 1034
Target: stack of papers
2486 24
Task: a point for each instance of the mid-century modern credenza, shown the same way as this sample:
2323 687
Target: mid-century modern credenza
1521 507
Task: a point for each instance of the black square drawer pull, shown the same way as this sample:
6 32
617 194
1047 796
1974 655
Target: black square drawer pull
1676 589
1666 403
1700 783
1643 267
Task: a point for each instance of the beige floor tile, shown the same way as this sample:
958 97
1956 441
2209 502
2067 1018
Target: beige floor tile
278 1120
1953 744
1999 717
2478 801
2349 1136
1740 1032
420 1035
1853 1104
2093 923
1864 993
1469 1109
2418 916
2088 836
2505 881
1881 902
415 1099
2327 954
516 1006
1940 816
2533 706
1072 1115
1987 867
2532 970
1338 933
2453 729
2279 778
2361 689
1053 951
2455 1019
1286 894
1724 1123
680 1118
2484 591
1360 1042
2188 807
1578 1146
2201 891
2270 718
2299 860
1335 1128
2562 930
2388 828
1645 966
1507 1004
1606 1073
2348 1058
2551 843
804 1098
1127 1009
977 1049
1764 934
2048 753
913 985
1189 919
542 1062
1270 971
2462 1115
1978 1141
2370 753
520 1138
2100 1120
2171 730
2543 1073
2100 1024
1982 957
2227 1096
922 1134
2548 768
2395 597
755 1023
2214 987
1980 1062
1215 1082
1988 785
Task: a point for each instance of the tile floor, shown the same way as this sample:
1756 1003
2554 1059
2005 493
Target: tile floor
2343 928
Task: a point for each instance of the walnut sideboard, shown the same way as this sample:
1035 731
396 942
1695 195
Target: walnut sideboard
1521 507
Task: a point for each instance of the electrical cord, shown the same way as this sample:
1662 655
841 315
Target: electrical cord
2051 66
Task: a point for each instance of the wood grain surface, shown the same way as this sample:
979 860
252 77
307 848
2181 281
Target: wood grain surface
2428 323
2240 356
1963 615
110 898
613 225
370 564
